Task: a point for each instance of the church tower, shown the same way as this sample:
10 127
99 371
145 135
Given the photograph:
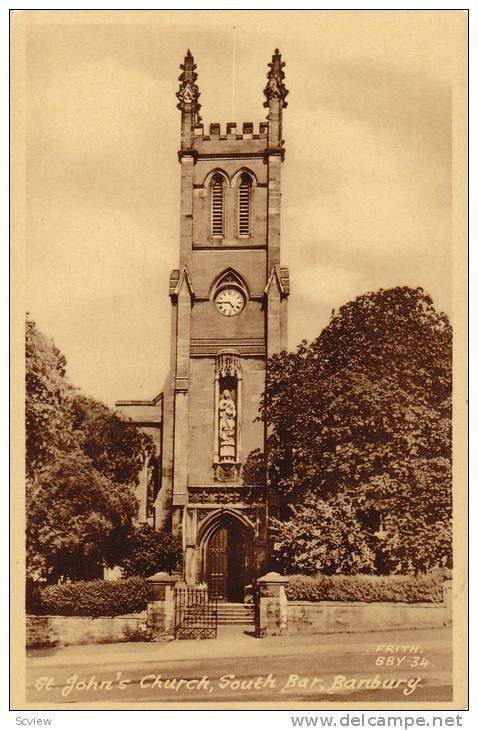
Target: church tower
229 314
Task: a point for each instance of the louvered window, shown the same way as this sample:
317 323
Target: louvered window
245 208
217 207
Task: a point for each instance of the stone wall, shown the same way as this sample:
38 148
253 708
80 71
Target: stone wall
69 630
154 624
328 617
278 616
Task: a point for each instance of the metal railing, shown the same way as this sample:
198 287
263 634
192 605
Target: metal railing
195 613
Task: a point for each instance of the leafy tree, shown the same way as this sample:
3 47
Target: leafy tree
314 540
48 427
116 447
82 464
254 469
365 411
147 551
73 514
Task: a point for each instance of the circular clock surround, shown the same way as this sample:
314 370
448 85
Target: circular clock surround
229 301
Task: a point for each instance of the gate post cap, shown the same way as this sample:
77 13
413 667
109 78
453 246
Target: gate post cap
273 577
161 577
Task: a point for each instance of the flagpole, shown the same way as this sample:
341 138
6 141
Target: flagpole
233 102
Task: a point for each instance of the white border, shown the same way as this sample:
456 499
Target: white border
211 720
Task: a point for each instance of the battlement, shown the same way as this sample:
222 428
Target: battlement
215 141
250 130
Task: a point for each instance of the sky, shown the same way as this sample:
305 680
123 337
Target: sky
366 184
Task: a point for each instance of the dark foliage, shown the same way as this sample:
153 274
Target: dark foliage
82 465
48 431
116 447
367 588
89 598
323 535
147 551
365 411
254 469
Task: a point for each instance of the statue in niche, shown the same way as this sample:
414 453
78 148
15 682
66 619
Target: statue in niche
227 426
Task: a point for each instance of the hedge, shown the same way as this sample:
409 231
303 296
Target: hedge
89 598
367 588
130 595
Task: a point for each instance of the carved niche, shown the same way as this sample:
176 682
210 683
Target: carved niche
227 407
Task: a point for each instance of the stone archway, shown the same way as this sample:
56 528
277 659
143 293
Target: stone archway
227 555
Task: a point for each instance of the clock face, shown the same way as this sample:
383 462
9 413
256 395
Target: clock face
229 302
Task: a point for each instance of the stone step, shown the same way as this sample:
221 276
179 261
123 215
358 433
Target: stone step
230 620
235 613
234 610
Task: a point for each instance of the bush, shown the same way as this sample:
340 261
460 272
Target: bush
147 551
367 588
89 598
323 536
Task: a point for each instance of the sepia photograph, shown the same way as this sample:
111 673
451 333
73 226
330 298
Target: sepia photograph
239 311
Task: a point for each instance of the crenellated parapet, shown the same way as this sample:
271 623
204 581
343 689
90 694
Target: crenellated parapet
232 131
266 135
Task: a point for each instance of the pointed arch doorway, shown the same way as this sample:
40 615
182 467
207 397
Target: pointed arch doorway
228 557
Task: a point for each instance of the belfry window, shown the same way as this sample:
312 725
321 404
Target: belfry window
245 195
217 206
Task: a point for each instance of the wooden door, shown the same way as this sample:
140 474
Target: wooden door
216 561
229 562
240 554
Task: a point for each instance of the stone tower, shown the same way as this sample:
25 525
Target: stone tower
229 313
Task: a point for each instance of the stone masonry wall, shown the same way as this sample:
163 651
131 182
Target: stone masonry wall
328 617
277 615
69 630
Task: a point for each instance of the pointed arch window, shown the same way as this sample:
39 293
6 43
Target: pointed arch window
217 206
245 205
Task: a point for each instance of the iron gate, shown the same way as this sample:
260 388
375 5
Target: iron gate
195 613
